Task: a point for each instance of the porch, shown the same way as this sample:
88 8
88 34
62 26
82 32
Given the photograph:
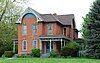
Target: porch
55 43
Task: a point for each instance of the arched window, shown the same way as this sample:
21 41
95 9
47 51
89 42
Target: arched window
29 15
34 43
24 45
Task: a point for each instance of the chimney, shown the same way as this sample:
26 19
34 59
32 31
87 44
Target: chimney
54 14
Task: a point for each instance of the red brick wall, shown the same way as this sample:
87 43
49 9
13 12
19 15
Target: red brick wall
29 37
57 29
42 29
70 32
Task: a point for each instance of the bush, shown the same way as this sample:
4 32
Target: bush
8 54
53 54
36 52
1 53
71 49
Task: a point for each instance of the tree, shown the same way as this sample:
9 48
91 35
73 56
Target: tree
91 31
9 13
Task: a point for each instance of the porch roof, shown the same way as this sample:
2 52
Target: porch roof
15 40
54 38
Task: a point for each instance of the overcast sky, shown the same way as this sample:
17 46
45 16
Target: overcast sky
77 7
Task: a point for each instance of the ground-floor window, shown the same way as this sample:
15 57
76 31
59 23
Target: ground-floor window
24 45
34 43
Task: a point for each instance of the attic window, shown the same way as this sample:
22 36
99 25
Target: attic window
29 15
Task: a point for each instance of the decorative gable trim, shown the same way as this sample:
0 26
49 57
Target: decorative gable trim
29 10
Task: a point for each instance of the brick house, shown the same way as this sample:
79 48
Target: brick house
44 31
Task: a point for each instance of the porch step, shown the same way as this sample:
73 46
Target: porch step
46 55
15 55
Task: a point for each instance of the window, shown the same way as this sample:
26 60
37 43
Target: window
24 45
29 15
64 31
24 29
34 43
34 29
49 29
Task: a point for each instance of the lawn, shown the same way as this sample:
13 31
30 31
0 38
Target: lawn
49 60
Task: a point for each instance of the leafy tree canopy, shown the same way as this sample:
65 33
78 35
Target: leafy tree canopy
9 13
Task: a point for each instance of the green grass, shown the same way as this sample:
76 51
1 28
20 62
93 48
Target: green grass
49 60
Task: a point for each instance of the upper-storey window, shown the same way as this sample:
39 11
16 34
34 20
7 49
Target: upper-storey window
50 27
29 15
24 30
73 21
34 29
64 31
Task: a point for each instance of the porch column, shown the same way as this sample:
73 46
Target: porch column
40 45
64 43
14 47
61 43
50 45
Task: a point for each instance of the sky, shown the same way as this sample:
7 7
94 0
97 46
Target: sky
77 7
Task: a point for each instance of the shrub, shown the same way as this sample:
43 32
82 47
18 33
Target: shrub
71 49
65 51
36 52
1 53
53 54
8 54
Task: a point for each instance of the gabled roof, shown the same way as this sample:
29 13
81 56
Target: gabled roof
63 19
30 10
48 17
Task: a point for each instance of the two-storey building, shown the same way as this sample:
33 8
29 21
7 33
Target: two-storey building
44 31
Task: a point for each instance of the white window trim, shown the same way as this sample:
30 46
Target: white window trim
33 45
51 29
23 45
34 29
24 30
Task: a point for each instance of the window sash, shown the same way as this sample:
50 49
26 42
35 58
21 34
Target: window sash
24 45
34 29
49 32
24 29
64 31
34 43
50 29
49 26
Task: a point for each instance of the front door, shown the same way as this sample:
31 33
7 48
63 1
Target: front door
47 47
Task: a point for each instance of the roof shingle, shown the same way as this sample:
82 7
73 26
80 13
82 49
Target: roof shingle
48 17
63 19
